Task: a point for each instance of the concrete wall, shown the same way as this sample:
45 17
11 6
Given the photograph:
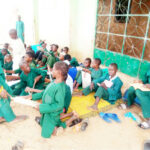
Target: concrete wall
82 27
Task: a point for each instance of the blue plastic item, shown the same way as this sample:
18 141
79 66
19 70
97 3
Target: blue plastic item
114 117
105 117
130 115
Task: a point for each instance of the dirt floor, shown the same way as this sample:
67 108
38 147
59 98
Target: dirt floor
98 136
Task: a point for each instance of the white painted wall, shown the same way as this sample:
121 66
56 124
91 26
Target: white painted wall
82 32
65 22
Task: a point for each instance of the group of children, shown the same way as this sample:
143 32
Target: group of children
53 76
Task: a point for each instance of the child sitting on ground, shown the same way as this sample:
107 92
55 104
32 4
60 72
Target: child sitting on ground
53 101
3 52
78 80
73 61
109 87
95 72
29 58
6 112
8 63
30 77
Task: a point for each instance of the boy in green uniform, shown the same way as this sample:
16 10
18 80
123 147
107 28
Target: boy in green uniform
6 112
30 77
53 101
109 87
143 97
3 52
8 63
78 79
73 61
96 73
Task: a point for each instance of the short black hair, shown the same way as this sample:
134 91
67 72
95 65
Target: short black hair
31 54
56 46
89 60
98 61
114 65
67 48
67 57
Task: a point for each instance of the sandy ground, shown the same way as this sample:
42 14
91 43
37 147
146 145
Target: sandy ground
98 136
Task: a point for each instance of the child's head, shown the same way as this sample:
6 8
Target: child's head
8 58
29 56
19 18
6 45
60 70
13 34
66 50
4 51
41 63
24 66
28 48
44 45
113 67
96 63
55 47
87 62
67 57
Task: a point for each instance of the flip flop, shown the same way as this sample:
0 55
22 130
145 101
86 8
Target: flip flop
144 125
84 124
147 145
76 121
105 117
130 115
38 119
18 146
114 117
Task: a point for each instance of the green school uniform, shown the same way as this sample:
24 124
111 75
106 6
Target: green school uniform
143 96
20 30
51 60
111 94
28 81
5 109
51 108
131 91
8 66
95 74
74 62
1 59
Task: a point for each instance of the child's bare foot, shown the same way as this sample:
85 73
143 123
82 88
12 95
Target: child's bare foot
76 90
93 108
58 131
20 118
79 94
75 114
2 120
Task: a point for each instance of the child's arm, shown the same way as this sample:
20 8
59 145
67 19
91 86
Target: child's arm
32 90
86 70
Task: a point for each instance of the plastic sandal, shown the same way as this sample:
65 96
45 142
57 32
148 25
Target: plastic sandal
114 117
105 117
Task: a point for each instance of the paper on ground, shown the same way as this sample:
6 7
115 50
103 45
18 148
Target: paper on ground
25 102
10 83
86 79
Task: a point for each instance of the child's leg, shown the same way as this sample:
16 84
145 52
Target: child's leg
131 96
87 91
100 93
79 81
63 115
74 83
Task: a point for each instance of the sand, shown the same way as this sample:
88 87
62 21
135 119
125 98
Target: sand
98 136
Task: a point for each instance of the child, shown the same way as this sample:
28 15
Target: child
95 72
6 112
78 80
53 101
8 63
65 50
2 55
30 77
73 61
109 87
29 58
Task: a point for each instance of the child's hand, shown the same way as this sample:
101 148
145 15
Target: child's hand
37 79
27 90
92 86
3 94
104 85
147 86
37 107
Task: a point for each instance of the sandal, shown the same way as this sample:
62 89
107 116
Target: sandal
38 119
144 125
105 117
84 124
114 117
123 106
18 146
